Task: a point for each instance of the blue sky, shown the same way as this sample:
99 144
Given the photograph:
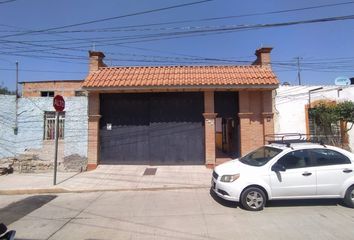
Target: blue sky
325 49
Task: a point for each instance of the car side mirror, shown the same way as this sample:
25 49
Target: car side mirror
278 168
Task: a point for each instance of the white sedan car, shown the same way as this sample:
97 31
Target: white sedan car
286 171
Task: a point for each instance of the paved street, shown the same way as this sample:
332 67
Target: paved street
191 214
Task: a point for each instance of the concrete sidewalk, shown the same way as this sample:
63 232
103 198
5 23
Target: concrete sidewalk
108 178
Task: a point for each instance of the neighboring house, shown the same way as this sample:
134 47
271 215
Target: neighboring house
292 104
177 114
50 88
31 132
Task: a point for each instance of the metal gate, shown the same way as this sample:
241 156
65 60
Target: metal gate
152 128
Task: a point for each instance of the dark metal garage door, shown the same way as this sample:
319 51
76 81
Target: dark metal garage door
152 128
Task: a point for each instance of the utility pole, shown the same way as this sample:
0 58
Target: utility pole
16 117
16 79
298 70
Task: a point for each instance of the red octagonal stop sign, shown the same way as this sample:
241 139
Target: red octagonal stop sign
58 103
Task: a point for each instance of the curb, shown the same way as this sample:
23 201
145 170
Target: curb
32 191
63 190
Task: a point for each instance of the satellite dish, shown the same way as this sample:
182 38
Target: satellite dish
342 81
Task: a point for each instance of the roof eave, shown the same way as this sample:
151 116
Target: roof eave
187 87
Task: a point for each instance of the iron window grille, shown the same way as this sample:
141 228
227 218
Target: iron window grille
49 125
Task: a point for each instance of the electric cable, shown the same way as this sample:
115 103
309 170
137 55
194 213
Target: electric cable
111 18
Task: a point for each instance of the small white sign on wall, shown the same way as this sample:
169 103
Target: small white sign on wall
109 126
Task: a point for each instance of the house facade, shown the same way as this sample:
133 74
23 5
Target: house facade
27 126
292 105
165 115
177 114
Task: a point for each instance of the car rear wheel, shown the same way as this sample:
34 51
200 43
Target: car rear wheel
349 197
253 199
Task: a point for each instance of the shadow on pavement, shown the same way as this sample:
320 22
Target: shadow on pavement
64 180
305 202
17 210
223 202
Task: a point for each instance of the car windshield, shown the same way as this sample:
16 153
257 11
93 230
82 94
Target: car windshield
260 156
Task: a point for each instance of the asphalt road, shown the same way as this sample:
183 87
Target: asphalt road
170 214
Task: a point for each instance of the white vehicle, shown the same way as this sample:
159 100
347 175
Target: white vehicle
286 171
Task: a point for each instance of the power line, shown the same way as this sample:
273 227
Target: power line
144 60
111 18
6 1
53 49
129 27
33 70
221 30
202 29
174 35
159 36
197 59
230 29
345 65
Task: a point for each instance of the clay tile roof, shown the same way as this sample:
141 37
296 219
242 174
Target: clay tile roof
180 76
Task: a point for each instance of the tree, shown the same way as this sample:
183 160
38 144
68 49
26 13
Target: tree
345 113
4 90
326 115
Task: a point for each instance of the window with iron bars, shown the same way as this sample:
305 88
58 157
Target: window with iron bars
329 134
49 125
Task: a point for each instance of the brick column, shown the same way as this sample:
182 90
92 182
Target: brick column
93 130
267 114
209 139
246 130
209 118
246 133
256 118
268 124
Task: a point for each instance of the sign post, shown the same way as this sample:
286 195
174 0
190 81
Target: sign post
59 105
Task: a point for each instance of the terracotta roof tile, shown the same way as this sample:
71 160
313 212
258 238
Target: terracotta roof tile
175 76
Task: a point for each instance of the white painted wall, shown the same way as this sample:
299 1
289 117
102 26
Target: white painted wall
290 103
7 124
31 124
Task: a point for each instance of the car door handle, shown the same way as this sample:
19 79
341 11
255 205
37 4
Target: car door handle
347 170
307 174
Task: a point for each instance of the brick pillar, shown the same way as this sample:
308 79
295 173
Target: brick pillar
246 130
246 143
267 114
256 118
209 117
93 130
